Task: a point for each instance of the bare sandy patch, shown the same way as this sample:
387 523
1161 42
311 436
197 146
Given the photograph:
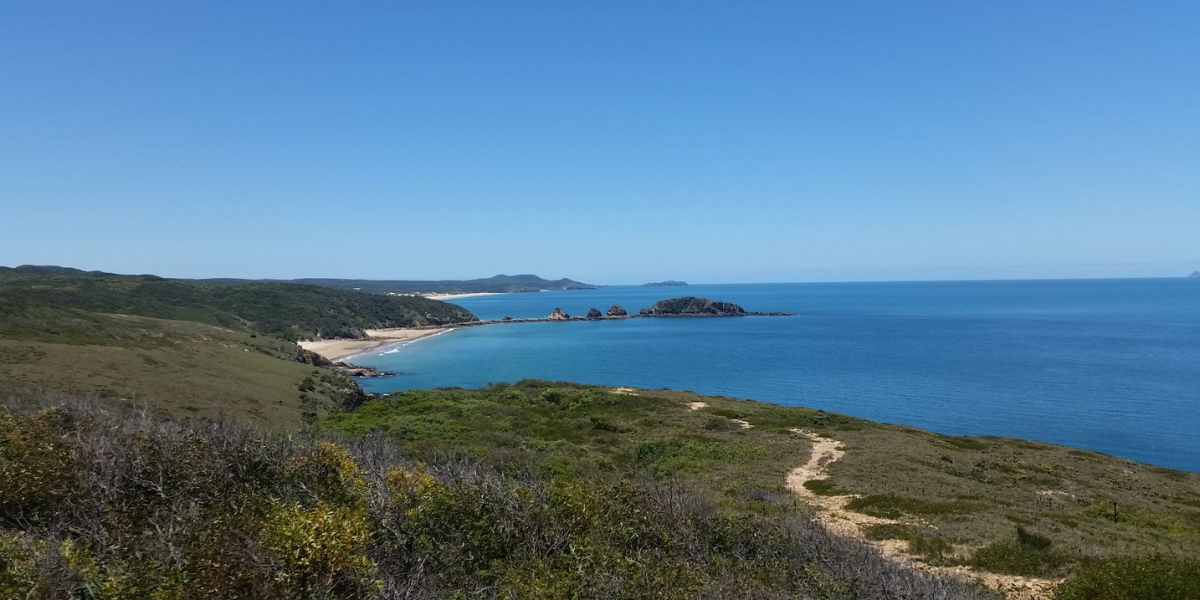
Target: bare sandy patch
376 338
445 297
696 405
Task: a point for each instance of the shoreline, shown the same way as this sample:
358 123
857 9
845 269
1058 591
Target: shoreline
444 297
341 349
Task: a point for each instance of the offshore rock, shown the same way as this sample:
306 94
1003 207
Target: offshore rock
616 311
559 315
692 306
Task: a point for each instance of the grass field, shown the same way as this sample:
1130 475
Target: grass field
174 368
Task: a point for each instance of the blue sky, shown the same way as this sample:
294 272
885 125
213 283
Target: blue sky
607 142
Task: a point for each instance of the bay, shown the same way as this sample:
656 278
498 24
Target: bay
1106 365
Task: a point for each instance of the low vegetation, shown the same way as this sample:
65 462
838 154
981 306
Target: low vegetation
949 515
99 505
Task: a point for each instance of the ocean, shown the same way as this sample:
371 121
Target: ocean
1106 365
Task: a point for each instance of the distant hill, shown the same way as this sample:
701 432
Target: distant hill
668 283
1195 275
499 284
292 311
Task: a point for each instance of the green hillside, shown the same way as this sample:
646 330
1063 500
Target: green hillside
174 368
287 310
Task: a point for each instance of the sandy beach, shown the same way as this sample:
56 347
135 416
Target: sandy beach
339 349
455 296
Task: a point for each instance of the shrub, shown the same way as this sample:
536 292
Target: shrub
1028 554
321 551
888 506
822 487
1158 577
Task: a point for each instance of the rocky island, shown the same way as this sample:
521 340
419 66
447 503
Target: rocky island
668 283
1194 275
691 306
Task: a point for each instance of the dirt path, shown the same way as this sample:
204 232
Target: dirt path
831 513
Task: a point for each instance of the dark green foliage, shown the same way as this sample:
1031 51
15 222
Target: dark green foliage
934 549
35 306
1124 578
891 507
1028 554
822 487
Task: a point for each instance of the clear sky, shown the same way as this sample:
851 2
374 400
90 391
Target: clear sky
603 141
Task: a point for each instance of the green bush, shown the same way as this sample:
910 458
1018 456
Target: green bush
888 506
1028 554
1157 577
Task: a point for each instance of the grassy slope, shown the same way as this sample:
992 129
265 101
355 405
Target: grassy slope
175 368
971 492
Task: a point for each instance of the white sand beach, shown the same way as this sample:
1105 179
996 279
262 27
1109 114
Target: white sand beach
339 349
455 296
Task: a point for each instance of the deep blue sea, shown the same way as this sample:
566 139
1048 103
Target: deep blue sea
1107 365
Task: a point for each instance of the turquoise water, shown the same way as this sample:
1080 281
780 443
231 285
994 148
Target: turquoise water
1108 365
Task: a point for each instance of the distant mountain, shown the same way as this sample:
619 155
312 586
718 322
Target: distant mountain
1195 275
668 283
497 284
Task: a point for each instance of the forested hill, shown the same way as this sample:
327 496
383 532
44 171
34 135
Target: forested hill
500 284
291 311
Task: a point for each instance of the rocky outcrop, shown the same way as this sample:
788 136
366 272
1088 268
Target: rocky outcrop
357 371
594 314
616 311
559 315
693 307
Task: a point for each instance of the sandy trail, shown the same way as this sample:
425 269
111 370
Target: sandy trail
831 513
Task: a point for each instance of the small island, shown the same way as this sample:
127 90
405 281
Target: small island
1194 275
668 283
691 306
